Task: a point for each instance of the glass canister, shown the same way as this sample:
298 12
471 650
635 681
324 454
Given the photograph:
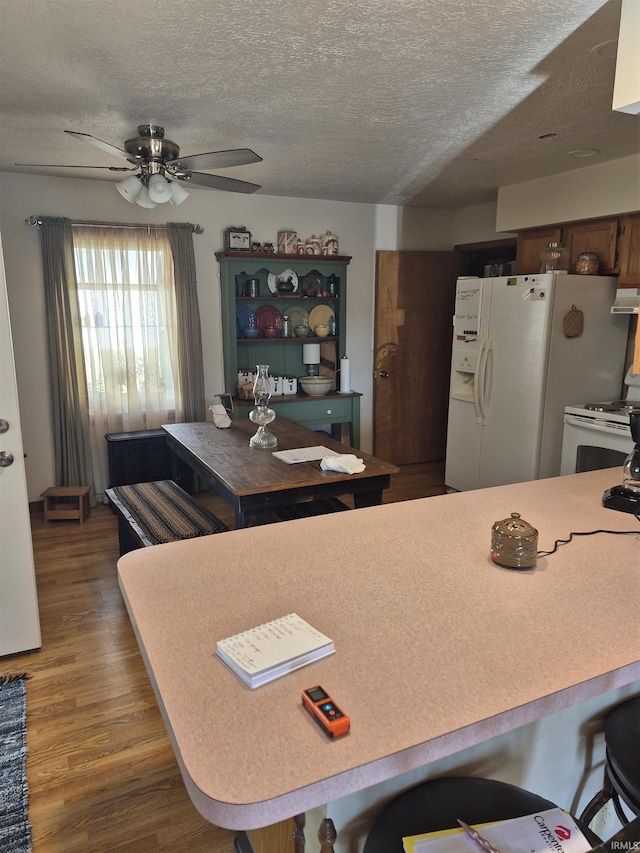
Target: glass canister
555 258
587 263
514 543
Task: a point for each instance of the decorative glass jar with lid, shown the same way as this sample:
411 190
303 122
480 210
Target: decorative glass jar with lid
587 263
555 258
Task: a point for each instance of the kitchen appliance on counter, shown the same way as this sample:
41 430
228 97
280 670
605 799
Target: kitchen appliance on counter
626 497
598 435
523 347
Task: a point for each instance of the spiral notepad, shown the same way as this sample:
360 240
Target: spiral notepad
274 649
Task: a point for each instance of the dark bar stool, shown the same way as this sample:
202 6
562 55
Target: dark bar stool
622 762
438 803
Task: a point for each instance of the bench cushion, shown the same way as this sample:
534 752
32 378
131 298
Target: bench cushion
163 512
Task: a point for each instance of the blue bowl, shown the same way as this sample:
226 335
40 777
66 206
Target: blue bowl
250 332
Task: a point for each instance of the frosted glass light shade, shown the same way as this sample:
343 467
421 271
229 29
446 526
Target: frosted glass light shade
143 198
178 193
159 189
129 188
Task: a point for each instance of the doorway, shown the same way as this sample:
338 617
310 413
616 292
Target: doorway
415 295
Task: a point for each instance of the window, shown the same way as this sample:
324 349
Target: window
127 306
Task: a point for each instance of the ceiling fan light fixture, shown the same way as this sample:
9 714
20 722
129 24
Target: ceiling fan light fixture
159 189
144 200
178 194
129 188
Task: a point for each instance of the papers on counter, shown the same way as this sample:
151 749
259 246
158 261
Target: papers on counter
274 649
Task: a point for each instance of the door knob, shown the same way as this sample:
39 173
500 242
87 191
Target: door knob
6 458
4 425
382 374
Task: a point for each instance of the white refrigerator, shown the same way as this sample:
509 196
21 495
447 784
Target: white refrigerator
524 347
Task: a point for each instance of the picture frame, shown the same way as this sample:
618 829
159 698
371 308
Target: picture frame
237 239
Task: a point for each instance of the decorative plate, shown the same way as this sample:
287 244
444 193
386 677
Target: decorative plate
321 314
243 318
296 315
312 284
273 279
267 315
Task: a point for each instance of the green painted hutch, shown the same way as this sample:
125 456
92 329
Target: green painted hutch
284 355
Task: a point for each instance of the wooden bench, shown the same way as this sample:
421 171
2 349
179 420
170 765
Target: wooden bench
159 512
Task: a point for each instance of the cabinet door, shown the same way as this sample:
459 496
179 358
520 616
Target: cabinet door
531 245
630 251
596 236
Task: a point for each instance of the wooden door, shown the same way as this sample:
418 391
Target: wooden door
415 296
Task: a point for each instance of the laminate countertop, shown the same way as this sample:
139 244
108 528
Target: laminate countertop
437 648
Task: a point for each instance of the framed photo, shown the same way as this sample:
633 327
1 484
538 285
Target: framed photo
237 239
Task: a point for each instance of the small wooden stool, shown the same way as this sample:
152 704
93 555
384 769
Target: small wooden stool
65 509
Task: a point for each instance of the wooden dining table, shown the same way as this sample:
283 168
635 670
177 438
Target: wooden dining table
256 483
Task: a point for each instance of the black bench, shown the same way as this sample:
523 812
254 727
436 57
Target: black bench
159 512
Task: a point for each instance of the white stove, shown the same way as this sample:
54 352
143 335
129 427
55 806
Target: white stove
597 435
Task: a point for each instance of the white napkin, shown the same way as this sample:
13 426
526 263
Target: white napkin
220 416
345 463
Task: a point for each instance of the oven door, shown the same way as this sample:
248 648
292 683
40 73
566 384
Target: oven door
593 444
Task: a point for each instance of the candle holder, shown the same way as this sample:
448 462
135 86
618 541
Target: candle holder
262 415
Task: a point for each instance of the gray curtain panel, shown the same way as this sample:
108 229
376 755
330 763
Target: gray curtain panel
68 379
189 333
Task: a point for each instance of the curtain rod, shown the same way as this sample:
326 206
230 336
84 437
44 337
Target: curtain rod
36 223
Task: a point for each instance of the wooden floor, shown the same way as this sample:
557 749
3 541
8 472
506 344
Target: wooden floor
101 772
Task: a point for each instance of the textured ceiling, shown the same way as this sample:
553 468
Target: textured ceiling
433 103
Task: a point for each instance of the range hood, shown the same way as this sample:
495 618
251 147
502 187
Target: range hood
627 301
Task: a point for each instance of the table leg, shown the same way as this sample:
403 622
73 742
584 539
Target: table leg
298 833
364 499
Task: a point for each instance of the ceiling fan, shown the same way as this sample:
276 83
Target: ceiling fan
160 171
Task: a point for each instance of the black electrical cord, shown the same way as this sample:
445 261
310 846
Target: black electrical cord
560 542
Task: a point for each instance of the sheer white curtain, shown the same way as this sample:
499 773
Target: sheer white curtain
126 295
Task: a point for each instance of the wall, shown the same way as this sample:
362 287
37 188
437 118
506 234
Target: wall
477 225
24 195
362 230
602 190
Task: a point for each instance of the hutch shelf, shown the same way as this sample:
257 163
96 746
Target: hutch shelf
284 355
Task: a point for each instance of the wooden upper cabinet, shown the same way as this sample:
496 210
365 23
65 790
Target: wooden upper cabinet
531 244
599 236
629 251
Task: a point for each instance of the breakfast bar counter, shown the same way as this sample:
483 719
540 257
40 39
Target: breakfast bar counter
437 648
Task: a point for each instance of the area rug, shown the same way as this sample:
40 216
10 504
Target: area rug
15 829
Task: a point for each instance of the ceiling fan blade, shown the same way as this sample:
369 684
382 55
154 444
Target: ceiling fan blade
216 159
66 166
103 146
216 182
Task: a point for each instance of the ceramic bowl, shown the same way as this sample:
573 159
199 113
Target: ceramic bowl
270 332
301 331
321 330
250 332
315 386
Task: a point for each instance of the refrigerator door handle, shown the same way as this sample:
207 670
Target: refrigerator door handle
478 388
477 382
487 379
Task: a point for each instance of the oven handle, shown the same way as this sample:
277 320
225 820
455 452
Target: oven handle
594 425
